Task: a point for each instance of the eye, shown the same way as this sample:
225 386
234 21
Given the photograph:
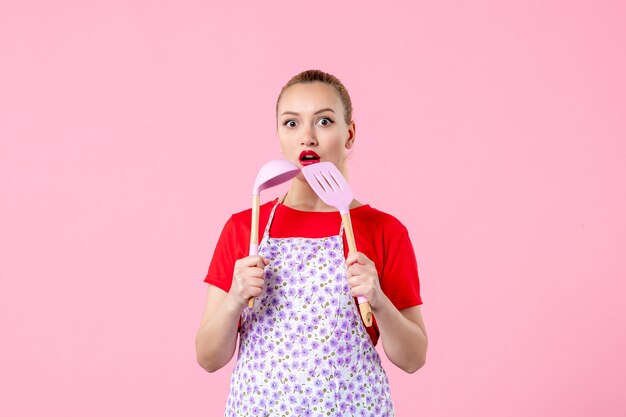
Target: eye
325 121
290 123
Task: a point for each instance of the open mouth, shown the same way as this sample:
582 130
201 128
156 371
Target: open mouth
309 157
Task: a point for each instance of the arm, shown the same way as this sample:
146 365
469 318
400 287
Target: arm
216 339
403 332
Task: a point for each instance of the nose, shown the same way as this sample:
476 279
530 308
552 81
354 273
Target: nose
308 137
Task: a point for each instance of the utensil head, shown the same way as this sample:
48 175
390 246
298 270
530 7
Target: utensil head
329 184
273 173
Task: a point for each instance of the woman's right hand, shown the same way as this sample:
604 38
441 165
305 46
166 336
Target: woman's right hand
248 279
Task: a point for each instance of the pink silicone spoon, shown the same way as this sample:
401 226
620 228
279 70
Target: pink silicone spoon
271 174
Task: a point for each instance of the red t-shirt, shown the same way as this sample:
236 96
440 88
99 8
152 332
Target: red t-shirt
378 235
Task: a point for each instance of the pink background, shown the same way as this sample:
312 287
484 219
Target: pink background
130 130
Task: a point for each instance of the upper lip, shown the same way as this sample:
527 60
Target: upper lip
303 153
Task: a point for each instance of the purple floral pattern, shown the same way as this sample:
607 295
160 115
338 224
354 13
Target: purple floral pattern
304 350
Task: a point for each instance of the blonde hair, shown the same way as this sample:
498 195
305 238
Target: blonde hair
313 75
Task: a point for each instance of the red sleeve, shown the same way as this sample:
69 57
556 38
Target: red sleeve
222 264
400 280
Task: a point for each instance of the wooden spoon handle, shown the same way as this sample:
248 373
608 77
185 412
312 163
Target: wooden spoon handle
364 306
254 234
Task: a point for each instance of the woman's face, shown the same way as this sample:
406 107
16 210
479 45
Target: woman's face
311 118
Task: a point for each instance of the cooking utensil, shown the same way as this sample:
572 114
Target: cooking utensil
331 186
272 173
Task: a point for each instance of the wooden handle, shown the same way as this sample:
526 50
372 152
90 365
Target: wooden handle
254 233
366 313
347 225
364 307
254 227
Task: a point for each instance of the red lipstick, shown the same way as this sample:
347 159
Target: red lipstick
308 158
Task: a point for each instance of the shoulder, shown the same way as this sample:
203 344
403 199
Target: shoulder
377 218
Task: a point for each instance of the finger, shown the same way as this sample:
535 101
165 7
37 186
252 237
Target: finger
249 271
359 291
254 282
244 276
352 258
353 282
263 262
253 260
360 280
252 292
356 269
255 272
363 259
358 258
255 292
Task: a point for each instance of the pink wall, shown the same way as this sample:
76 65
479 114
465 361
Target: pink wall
130 130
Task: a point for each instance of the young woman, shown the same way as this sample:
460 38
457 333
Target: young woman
303 348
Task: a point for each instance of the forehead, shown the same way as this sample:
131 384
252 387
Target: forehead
309 97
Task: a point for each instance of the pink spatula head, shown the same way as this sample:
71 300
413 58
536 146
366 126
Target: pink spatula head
330 186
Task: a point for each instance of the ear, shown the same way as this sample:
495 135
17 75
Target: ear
351 135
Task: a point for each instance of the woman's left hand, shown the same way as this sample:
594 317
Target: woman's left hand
363 278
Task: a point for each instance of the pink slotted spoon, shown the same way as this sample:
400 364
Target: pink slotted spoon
331 186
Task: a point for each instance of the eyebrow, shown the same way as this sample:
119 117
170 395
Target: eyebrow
317 112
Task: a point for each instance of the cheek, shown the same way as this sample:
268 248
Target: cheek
285 137
332 137
338 136
288 145
285 149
